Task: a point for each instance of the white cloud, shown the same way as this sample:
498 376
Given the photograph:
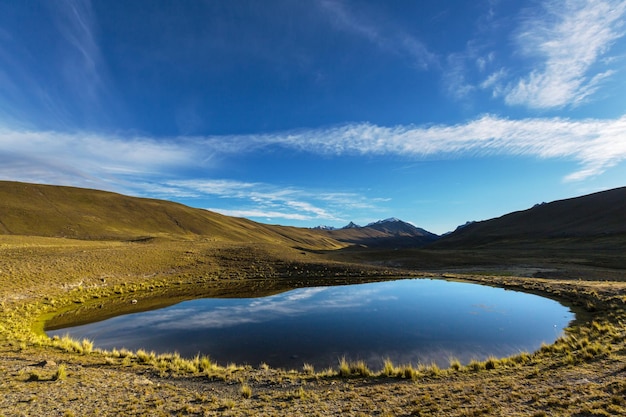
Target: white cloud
568 38
493 80
455 76
266 214
86 159
120 163
269 201
596 143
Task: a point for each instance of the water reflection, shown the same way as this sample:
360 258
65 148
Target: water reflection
408 321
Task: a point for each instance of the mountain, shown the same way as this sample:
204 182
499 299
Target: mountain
323 227
388 233
56 211
599 217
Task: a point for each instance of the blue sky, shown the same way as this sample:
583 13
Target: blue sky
318 112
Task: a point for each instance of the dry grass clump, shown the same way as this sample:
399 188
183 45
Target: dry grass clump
67 344
455 364
475 365
492 363
60 374
308 369
145 357
246 391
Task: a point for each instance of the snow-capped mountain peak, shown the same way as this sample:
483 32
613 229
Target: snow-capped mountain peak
323 227
389 220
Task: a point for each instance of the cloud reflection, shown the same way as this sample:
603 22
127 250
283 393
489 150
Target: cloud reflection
220 313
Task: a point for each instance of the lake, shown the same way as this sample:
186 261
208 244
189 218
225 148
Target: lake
408 321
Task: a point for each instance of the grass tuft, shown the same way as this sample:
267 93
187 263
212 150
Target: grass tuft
145 357
475 365
344 367
388 368
61 373
358 368
246 391
308 369
492 363
455 364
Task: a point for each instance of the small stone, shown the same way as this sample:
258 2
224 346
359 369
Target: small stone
47 364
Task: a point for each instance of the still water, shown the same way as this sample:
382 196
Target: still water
409 321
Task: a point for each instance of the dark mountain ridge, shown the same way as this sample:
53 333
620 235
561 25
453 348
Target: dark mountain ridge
600 215
388 233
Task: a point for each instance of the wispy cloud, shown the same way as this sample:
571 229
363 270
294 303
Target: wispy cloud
271 201
567 39
596 144
386 37
560 55
262 214
61 82
86 159
75 21
124 163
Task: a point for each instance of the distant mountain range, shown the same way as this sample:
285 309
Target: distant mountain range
389 233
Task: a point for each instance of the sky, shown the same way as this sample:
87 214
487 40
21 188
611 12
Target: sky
318 112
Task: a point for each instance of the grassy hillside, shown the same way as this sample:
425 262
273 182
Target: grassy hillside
54 211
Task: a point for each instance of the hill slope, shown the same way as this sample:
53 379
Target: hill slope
55 211
600 215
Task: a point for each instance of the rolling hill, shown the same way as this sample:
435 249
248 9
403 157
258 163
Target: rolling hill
593 217
57 211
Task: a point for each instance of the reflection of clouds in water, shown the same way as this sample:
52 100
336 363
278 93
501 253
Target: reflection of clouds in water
304 293
290 304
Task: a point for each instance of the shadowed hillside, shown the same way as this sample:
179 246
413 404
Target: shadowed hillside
598 216
55 211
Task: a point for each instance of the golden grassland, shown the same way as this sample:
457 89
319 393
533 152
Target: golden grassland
581 374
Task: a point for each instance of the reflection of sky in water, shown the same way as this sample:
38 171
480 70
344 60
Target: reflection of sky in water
409 321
